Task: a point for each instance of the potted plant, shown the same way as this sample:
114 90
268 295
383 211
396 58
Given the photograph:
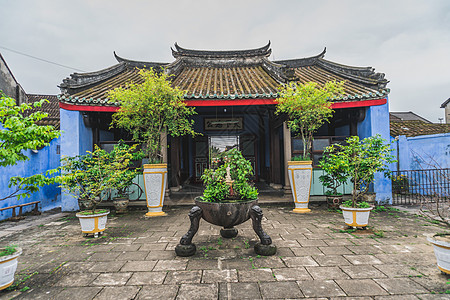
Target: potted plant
362 158
336 174
229 199
122 158
8 264
89 177
150 111
308 107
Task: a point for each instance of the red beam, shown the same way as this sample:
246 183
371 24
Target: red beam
238 102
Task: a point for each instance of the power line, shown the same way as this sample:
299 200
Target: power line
41 59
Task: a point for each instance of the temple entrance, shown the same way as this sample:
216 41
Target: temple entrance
220 144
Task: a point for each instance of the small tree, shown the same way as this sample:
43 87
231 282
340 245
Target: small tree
335 168
18 133
363 159
308 107
151 108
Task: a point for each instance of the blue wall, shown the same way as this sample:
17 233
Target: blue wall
76 139
377 122
422 152
50 196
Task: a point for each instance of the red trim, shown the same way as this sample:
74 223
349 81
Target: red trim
359 103
67 106
238 102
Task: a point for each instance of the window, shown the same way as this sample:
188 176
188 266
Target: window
318 146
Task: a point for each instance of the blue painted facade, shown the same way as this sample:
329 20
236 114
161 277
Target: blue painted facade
76 139
50 196
422 152
375 122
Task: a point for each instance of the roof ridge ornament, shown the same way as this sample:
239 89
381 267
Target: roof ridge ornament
264 51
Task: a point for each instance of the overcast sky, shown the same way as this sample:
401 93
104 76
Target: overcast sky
407 40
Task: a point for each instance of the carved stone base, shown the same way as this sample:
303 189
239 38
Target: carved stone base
185 250
265 250
228 233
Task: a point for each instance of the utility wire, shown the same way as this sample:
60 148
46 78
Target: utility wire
41 59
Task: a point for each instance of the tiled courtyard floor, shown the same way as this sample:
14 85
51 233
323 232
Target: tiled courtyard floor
135 259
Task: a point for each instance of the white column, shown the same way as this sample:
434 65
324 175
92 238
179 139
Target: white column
287 148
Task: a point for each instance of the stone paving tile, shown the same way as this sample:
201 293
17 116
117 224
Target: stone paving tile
238 290
363 259
335 250
160 254
398 270
145 278
202 264
331 260
101 256
268 262
102 267
401 286
212 276
171 265
139 266
299 261
363 271
75 266
436 283
132 255
288 243
361 287
280 290
338 242
320 288
153 246
312 243
397 297
43 293
432 297
156 292
286 251
178 277
118 293
77 279
198 291
307 251
255 275
114 279
126 248
364 249
79 293
323 273
291 274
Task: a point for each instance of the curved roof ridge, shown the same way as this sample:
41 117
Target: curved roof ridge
136 63
301 62
365 75
77 80
261 51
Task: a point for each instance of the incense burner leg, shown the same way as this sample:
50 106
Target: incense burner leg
228 233
265 247
186 247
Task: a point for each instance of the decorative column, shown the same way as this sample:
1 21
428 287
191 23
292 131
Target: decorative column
287 156
165 157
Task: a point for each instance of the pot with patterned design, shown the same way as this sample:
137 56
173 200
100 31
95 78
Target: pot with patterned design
155 179
93 223
300 175
356 217
8 265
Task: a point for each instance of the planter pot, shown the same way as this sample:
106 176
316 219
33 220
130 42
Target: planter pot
334 201
94 224
226 215
442 252
8 266
121 205
300 175
356 217
155 178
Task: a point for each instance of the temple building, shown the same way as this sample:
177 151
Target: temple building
234 94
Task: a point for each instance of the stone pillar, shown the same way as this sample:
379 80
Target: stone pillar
287 148
165 157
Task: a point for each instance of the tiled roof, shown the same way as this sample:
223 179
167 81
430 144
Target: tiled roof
239 74
416 128
51 108
406 116
443 105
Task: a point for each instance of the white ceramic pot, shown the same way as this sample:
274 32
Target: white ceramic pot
8 266
94 224
442 253
356 217
300 175
155 179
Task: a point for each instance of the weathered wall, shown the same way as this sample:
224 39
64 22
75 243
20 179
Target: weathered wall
76 139
422 152
377 122
9 85
45 159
